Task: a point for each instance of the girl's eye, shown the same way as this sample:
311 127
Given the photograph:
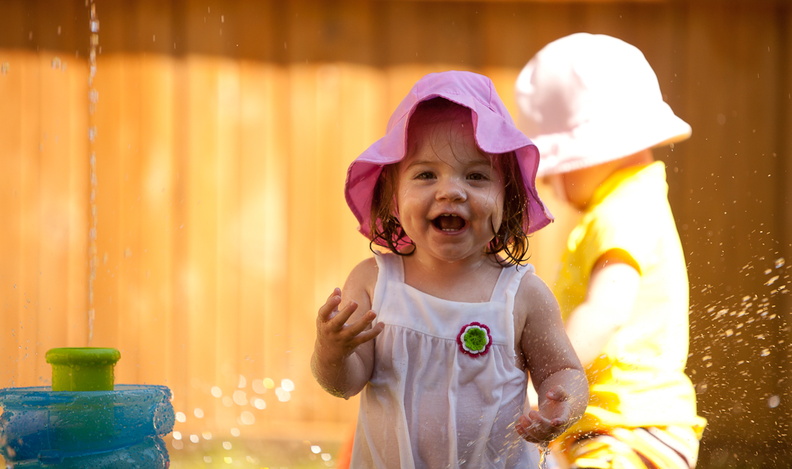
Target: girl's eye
477 176
424 175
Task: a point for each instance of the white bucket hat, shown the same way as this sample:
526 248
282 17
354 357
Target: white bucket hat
586 99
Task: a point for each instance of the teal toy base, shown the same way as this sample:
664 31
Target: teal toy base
44 428
149 454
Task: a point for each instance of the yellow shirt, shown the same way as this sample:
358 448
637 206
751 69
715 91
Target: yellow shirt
639 379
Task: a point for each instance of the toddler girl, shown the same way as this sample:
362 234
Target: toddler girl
441 332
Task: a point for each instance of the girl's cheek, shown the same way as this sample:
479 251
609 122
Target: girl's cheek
495 206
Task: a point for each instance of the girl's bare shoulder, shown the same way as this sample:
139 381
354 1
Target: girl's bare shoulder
362 278
534 296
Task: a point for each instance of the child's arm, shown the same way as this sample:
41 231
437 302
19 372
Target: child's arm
555 370
609 303
343 357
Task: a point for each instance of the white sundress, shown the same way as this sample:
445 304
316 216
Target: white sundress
429 403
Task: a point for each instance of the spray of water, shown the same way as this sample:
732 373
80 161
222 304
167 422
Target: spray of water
741 363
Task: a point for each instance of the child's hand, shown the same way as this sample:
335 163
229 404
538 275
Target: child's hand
550 421
337 338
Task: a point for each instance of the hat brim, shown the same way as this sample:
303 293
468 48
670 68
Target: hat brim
601 141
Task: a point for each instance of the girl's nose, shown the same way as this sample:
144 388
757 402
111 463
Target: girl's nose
451 190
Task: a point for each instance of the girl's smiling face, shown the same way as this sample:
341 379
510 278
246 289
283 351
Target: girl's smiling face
449 194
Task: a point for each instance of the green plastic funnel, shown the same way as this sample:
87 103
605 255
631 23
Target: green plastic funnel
82 368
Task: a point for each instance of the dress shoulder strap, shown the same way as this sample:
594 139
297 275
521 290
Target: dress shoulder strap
509 281
391 268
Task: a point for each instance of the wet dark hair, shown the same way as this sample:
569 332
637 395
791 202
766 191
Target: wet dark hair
511 240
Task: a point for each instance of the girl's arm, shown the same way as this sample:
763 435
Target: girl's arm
343 356
556 372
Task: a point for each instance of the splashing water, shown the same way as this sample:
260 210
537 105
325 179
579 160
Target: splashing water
544 451
740 363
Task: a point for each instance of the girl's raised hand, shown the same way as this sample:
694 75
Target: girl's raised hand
337 336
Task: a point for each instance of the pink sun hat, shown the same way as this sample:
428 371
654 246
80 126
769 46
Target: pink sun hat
587 99
494 132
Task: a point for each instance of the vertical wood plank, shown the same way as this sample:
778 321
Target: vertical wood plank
13 147
157 193
27 309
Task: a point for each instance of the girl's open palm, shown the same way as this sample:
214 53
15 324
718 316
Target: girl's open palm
337 336
550 421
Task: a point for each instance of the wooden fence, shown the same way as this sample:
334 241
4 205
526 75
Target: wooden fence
209 152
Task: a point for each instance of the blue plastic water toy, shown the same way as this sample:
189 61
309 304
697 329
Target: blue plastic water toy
120 427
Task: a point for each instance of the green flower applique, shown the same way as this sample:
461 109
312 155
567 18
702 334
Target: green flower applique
474 339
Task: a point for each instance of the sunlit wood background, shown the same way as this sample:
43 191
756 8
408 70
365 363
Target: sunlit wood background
215 138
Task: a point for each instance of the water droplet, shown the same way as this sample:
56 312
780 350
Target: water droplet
95 26
56 63
773 401
287 385
247 418
772 280
240 398
259 403
4 68
779 262
258 386
765 352
283 395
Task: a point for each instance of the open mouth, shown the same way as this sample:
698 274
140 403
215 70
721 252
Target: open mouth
448 222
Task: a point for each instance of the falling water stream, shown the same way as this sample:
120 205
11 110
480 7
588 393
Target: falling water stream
544 451
93 96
